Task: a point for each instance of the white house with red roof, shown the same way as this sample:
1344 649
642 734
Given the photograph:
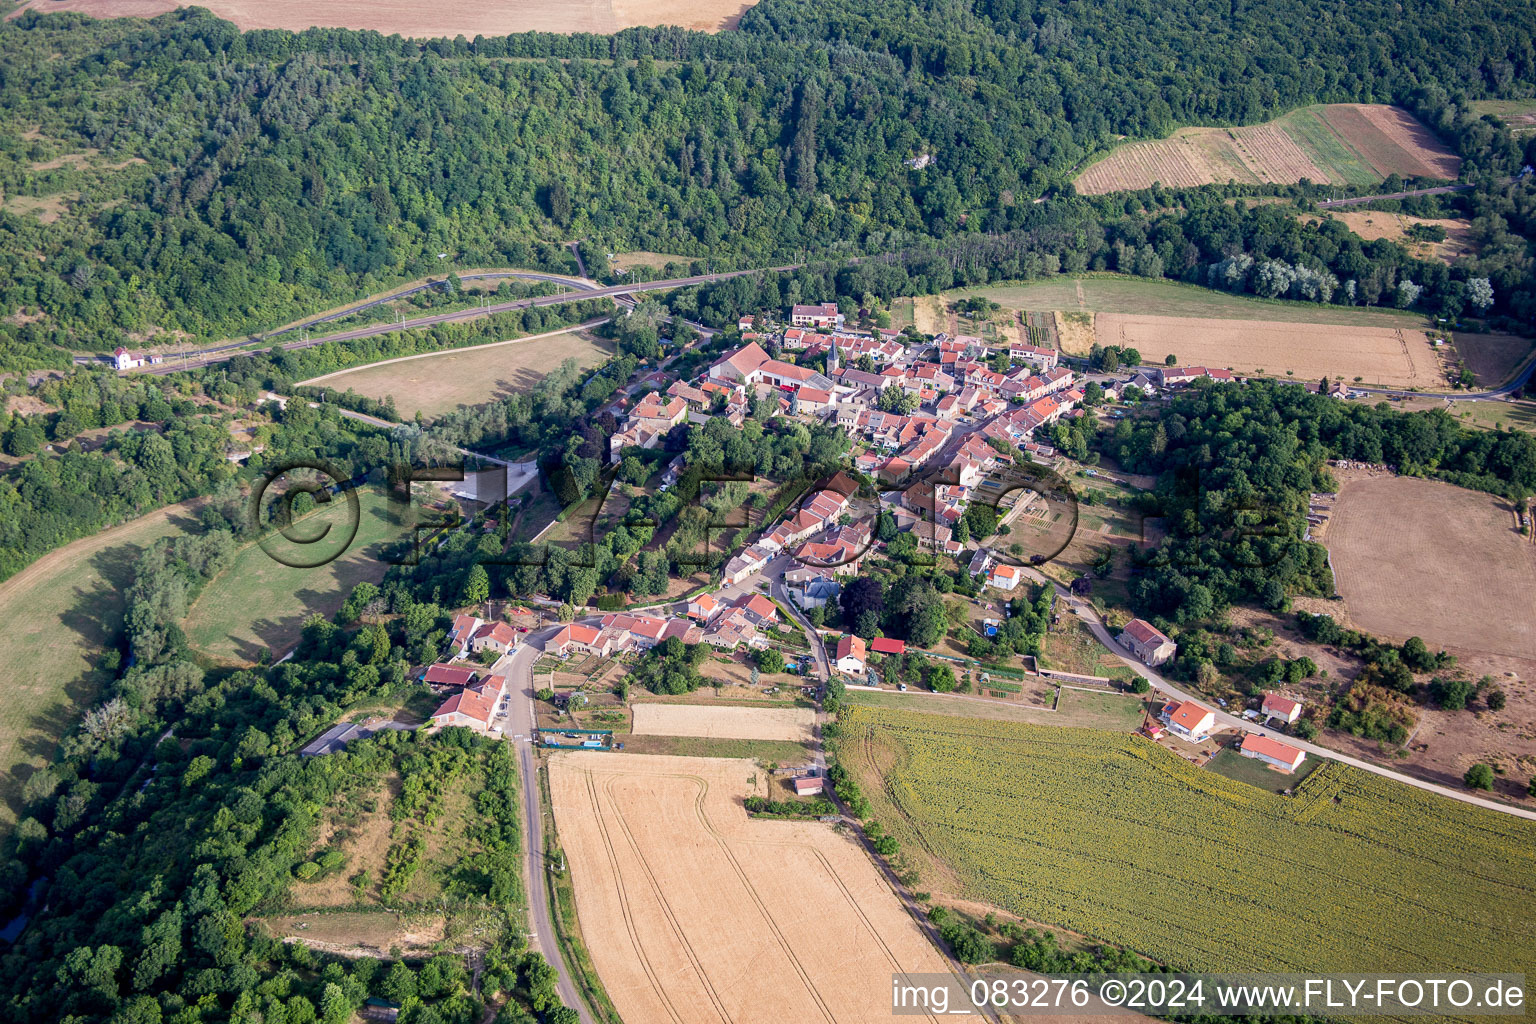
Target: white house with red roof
1150 644
125 360
493 636
583 639
1188 720
1039 358
1175 376
850 655
472 707
1272 752
1004 577
1283 708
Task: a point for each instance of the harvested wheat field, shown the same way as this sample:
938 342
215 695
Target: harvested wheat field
1378 355
695 913
1422 558
1340 144
427 21
724 723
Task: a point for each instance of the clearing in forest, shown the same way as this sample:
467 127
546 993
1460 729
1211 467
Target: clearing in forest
259 603
1381 356
724 723
1340 144
695 913
61 613
1423 558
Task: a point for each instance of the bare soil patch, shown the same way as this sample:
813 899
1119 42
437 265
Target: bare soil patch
1383 356
1422 558
427 21
362 932
722 723
693 912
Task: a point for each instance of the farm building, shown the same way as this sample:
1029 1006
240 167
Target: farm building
808 785
1150 644
1272 752
1188 720
888 645
850 655
448 675
1283 708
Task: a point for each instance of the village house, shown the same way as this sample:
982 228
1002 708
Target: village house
463 629
493 636
850 655
1188 720
448 675
472 707
822 314
1150 644
582 639
1272 752
1004 577
1175 376
703 608
1275 706
1039 358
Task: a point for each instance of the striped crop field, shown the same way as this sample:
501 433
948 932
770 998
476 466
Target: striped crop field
1111 836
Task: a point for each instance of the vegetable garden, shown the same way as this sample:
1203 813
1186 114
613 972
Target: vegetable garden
1108 835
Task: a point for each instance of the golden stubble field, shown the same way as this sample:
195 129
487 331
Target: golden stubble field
1422 558
414 19
1378 355
695 913
724 723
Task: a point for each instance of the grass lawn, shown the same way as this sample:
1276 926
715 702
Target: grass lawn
1235 766
1109 709
443 381
60 614
260 604
770 751
1116 712
1112 293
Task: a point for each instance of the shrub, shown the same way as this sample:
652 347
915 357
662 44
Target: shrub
1479 776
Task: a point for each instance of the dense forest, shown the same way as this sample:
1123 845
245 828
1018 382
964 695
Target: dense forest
240 180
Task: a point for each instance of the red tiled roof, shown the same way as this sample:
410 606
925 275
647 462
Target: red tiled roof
1143 632
1253 743
1278 705
1189 715
887 645
450 675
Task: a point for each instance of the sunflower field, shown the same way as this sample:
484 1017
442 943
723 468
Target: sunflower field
1109 835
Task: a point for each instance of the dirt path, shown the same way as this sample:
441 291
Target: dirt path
447 351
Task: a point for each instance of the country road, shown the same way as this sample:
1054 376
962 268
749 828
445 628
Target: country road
225 352
519 731
1438 190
